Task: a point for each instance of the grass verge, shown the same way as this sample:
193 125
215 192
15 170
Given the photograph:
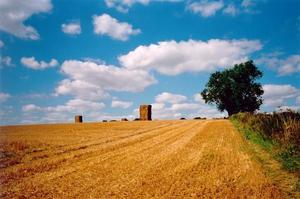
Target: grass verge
286 151
280 165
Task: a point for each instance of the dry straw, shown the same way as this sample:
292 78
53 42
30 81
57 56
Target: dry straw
78 119
145 112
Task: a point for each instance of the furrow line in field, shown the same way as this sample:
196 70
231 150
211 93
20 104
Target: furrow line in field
118 147
141 165
114 138
153 149
81 149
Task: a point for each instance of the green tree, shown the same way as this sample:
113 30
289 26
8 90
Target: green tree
235 89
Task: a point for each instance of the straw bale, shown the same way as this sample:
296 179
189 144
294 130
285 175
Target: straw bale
145 112
78 119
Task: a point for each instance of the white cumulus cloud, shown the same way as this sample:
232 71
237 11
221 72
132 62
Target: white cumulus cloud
231 10
31 108
120 104
107 76
13 14
31 62
185 106
73 28
71 106
107 25
173 106
205 8
167 97
62 113
286 66
81 89
88 80
278 94
208 8
78 105
198 98
173 58
124 5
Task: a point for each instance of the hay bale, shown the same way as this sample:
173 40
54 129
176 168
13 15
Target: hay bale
145 112
78 118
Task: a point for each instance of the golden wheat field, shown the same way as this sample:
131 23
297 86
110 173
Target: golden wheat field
151 159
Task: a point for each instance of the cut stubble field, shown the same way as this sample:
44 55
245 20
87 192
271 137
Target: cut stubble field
150 159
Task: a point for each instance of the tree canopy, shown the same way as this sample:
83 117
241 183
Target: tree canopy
235 89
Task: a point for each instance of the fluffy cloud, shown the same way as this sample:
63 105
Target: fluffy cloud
81 89
205 8
61 113
1 43
5 61
231 10
173 109
166 97
107 25
276 95
92 111
208 8
120 104
4 97
31 108
89 82
286 66
13 14
157 106
172 58
184 106
30 62
124 5
290 65
92 81
95 60
108 77
73 28
198 98
77 106
249 6
73 106
163 113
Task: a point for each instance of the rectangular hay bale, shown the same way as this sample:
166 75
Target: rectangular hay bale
78 119
145 112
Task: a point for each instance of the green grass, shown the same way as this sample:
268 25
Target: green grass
289 159
286 154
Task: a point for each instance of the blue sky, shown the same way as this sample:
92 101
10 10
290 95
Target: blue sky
102 59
